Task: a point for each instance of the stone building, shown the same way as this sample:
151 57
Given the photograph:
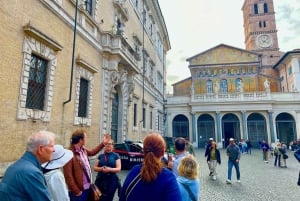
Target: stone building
91 64
249 94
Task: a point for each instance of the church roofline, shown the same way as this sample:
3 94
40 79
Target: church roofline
220 45
182 80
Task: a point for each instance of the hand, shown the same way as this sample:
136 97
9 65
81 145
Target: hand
106 138
105 169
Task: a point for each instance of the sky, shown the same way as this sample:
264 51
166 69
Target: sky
197 25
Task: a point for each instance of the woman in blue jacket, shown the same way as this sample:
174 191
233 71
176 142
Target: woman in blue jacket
188 179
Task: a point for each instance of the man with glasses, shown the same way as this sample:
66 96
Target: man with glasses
24 180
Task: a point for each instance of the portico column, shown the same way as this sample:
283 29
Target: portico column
193 128
244 124
298 124
219 134
271 126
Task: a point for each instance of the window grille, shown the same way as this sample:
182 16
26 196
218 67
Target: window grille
89 6
83 98
135 114
36 83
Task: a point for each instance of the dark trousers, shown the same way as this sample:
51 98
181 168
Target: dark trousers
277 158
82 197
108 184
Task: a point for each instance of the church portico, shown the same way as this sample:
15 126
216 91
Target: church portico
255 121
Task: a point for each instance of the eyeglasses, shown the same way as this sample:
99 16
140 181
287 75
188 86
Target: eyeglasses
109 144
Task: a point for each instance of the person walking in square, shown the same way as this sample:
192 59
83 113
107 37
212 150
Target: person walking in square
283 151
234 155
265 150
277 154
213 158
207 150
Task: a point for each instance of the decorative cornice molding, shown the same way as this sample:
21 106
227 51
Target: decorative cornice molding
35 33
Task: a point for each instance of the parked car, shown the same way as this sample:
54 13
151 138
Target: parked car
131 153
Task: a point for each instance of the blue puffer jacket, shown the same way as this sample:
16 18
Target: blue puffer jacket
24 181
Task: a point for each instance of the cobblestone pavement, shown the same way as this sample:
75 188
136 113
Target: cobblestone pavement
260 181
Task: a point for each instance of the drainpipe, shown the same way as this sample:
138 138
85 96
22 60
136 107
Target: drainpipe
72 70
73 53
143 95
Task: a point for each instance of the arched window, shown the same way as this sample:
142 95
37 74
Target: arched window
224 86
209 86
255 9
265 8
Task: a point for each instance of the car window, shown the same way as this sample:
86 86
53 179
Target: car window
135 148
121 147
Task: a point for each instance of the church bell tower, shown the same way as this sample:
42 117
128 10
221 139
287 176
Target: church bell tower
260 31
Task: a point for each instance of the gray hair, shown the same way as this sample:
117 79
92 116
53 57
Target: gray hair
39 138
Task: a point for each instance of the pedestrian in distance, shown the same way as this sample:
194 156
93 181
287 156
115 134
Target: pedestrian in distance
53 173
150 181
283 151
265 151
213 158
180 152
77 171
188 178
277 154
234 155
24 179
249 147
108 164
207 150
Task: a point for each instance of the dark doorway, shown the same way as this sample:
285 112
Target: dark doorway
285 128
230 128
114 117
180 126
205 129
257 131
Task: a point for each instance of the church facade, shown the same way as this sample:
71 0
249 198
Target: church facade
238 93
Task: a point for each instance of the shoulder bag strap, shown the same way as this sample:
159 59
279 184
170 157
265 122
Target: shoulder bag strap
192 196
84 170
132 185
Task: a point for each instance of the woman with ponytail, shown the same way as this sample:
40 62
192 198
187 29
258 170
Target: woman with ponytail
150 181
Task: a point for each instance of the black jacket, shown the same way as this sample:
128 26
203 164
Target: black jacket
218 156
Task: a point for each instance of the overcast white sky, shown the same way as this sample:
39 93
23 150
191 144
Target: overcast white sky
197 25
